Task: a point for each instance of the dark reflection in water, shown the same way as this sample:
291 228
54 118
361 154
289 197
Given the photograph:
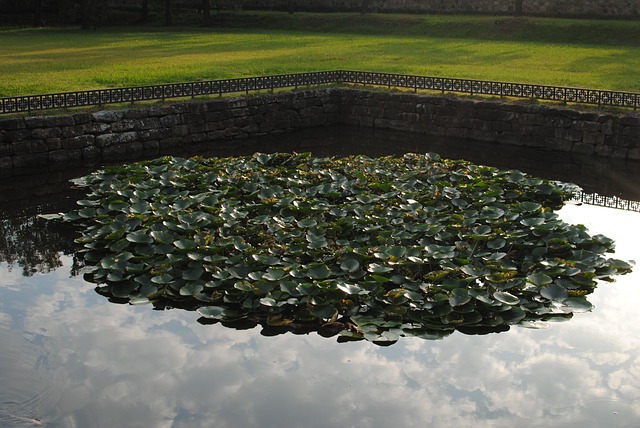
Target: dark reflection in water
67 359
609 177
34 245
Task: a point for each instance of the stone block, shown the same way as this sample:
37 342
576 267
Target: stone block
21 147
587 126
105 140
448 121
151 147
195 138
170 144
457 132
501 115
108 116
135 114
568 134
53 144
12 124
507 137
480 135
531 119
218 105
217 116
44 133
97 128
630 121
6 166
78 142
72 131
180 130
125 125
30 163
90 152
562 122
593 138
237 103
192 117
619 141
558 144
633 154
632 131
169 120
114 152
311 111
611 151
6 150
446 110
63 159
82 118
17 135
48 121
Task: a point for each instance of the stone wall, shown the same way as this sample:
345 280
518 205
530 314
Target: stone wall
34 144
560 129
53 143
625 9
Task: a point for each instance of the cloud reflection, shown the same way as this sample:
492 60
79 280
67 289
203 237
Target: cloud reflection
117 365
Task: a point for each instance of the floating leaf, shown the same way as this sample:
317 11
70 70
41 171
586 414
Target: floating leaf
318 271
191 289
350 265
378 268
459 297
554 292
211 312
539 279
496 244
529 206
140 237
505 297
185 244
351 288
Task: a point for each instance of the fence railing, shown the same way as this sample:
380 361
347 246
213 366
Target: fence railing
503 89
606 201
131 94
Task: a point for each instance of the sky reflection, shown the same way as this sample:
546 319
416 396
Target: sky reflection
71 359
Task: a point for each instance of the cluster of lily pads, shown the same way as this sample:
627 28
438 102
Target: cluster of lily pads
365 248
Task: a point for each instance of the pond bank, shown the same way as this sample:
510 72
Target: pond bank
54 143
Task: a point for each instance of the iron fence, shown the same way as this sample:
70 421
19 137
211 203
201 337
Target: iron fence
606 201
502 89
98 97
132 94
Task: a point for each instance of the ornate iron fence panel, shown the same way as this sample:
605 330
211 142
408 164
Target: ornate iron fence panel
501 89
606 201
250 84
162 92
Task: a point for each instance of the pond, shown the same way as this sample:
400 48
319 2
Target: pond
70 358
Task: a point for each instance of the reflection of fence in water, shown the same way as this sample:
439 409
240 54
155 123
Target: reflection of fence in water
100 97
606 201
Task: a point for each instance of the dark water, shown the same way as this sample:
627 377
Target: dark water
69 358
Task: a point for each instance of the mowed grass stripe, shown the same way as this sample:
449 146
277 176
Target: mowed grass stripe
51 60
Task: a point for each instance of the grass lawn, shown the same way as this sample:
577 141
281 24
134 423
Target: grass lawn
583 53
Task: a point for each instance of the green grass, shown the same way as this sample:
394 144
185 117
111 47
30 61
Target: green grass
583 53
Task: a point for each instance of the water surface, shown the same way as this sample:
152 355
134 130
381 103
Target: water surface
70 358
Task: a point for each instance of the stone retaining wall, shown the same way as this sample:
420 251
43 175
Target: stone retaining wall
34 144
52 143
560 129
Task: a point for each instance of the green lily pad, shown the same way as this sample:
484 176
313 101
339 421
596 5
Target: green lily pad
371 249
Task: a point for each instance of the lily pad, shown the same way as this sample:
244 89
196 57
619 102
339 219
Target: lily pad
371 249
